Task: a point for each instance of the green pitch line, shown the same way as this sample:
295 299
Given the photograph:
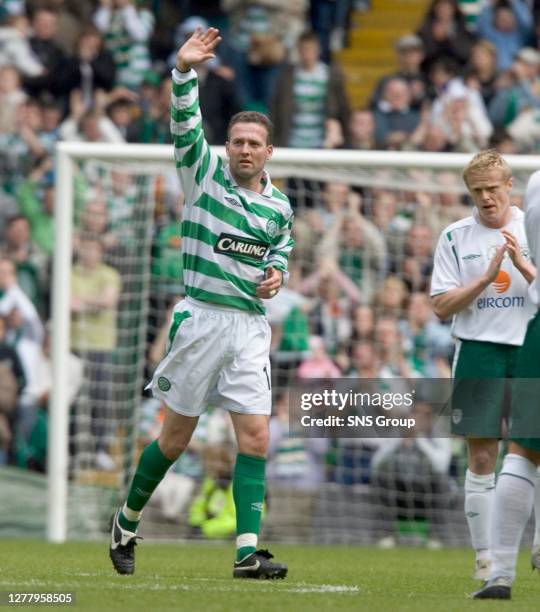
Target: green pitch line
197 577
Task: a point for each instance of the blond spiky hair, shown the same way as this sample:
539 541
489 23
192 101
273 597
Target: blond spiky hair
484 161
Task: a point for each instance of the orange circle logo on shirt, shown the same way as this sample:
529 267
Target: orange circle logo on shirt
501 282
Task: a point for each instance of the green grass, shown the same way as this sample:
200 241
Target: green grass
191 577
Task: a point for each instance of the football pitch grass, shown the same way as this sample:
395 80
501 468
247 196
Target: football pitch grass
198 578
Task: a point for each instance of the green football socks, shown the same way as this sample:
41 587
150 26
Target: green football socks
153 466
248 493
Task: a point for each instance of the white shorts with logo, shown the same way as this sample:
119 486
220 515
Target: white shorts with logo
216 357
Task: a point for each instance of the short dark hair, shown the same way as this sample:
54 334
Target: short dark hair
308 36
15 218
252 117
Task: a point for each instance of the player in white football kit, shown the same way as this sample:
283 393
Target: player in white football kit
518 479
481 276
235 245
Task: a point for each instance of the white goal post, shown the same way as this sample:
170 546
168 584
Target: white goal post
282 165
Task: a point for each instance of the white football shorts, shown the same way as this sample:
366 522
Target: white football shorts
216 357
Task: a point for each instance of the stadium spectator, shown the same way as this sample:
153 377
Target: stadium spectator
330 313
318 363
88 125
12 382
362 129
445 34
126 28
260 37
302 471
337 199
296 470
461 115
516 107
91 67
95 291
329 18
31 263
11 97
167 268
15 49
73 16
410 55
25 334
426 340
318 101
509 26
416 264
439 74
391 298
152 125
364 360
31 445
481 71
363 324
212 513
50 55
21 148
395 119
94 221
411 479
431 140
359 248
502 142
35 199
393 363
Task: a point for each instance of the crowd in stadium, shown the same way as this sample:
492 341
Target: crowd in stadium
98 71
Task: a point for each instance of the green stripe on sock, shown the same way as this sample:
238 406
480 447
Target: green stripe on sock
248 493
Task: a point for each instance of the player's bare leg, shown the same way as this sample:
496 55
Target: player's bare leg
248 491
154 462
479 489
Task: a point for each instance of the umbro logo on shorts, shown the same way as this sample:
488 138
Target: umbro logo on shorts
228 244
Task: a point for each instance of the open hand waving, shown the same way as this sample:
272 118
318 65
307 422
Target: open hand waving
197 49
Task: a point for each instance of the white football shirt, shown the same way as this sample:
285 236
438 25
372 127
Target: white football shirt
532 228
501 312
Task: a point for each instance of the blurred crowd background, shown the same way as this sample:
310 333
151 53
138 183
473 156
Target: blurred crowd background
465 77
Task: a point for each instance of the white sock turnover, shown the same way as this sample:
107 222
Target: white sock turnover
479 489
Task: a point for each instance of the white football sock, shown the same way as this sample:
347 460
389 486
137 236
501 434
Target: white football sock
479 490
514 498
537 511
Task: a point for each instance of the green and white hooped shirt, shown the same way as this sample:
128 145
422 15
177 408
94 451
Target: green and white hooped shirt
501 312
229 234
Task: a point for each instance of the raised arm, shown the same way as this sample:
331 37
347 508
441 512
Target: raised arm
191 151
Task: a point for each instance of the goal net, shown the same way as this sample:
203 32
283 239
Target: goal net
366 224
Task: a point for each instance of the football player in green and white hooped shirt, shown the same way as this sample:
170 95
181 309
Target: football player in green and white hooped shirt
235 246
481 276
